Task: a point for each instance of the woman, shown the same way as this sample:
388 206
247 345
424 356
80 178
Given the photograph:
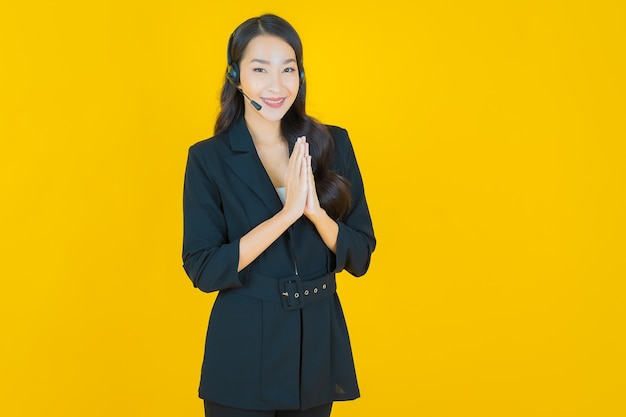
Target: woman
274 206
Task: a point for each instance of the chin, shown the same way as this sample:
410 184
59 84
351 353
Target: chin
272 116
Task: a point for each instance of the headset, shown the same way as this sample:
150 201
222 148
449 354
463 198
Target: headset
232 72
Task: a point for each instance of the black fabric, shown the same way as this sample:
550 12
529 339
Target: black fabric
216 410
259 356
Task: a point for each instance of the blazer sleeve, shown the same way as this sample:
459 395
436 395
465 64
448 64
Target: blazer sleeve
209 258
356 240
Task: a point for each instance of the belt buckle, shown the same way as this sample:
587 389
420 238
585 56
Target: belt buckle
291 293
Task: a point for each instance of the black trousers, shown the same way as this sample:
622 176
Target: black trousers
216 410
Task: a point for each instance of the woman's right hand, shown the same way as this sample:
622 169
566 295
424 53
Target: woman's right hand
296 180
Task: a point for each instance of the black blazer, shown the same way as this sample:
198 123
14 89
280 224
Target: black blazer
261 352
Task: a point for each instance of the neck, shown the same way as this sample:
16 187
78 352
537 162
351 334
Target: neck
263 132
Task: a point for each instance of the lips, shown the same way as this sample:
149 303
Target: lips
274 102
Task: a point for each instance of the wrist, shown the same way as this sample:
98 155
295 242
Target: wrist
288 216
318 216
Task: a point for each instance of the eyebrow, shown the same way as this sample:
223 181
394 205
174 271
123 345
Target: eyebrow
265 62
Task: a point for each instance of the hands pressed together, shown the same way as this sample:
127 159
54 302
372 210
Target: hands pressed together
300 183
301 198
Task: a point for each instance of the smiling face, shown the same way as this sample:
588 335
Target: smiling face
269 75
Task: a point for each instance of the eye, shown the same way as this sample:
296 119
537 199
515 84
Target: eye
289 69
259 70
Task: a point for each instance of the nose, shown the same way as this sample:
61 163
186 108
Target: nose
275 82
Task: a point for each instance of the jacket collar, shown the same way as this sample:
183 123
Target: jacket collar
240 138
245 163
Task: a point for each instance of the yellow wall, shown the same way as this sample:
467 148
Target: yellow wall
491 139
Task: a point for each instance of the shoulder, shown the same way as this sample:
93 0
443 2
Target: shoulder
343 144
234 140
207 156
341 138
215 144
210 154
344 157
338 132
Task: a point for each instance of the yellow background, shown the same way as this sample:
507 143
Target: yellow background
491 140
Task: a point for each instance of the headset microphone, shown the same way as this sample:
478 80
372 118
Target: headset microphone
254 103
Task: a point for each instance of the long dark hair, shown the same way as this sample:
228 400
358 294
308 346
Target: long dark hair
333 190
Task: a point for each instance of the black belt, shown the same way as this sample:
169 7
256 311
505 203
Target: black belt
293 292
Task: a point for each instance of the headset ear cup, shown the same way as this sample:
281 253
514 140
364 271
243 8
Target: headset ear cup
301 76
233 74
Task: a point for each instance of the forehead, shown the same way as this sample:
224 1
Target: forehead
269 48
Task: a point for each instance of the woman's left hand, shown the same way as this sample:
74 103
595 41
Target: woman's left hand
312 207
326 227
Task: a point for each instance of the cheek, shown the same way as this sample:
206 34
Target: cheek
294 85
250 84
251 80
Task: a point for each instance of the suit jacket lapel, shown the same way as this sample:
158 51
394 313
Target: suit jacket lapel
245 163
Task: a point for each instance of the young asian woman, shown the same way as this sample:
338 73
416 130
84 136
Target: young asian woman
274 208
